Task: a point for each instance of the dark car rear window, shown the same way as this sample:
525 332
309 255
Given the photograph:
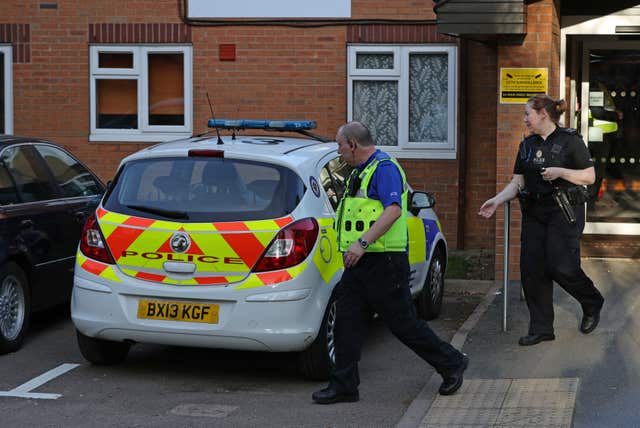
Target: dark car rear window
204 190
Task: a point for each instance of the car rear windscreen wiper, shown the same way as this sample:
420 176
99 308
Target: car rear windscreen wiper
160 211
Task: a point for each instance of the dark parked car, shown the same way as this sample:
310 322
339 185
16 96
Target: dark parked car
45 196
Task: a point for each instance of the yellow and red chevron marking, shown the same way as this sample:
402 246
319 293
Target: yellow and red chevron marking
97 268
198 280
143 243
150 276
326 257
267 278
246 245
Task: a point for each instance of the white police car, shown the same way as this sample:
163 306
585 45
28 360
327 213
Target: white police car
229 243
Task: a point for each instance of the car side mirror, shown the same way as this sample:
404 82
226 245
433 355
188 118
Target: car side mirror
420 200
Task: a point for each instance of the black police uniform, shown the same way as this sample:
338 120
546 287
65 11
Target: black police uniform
379 283
550 247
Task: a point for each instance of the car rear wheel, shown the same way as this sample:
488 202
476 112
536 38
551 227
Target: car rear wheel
430 299
102 352
317 360
14 307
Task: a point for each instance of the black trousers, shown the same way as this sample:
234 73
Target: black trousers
380 283
550 251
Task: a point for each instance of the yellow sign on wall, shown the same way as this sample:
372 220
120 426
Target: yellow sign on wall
517 85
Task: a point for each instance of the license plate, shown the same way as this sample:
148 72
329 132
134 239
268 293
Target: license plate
178 311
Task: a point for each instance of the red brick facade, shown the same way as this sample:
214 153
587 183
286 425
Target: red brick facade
540 48
281 71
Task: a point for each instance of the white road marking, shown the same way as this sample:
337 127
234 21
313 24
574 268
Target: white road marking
22 391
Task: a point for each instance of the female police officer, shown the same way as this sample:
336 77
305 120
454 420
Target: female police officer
551 169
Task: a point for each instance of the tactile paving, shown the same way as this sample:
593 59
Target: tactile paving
506 403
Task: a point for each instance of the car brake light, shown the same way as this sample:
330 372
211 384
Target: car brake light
92 243
207 153
291 246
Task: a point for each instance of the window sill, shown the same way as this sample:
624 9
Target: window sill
418 153
149 137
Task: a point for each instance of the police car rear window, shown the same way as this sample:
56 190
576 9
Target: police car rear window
204 189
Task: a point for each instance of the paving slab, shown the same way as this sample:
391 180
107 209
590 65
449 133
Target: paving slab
574 381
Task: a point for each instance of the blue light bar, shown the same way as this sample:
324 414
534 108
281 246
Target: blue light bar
278 125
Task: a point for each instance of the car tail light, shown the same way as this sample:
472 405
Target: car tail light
207 153
290 247
92 243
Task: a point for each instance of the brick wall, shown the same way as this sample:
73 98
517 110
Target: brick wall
278 72
395 9
541 48
480 141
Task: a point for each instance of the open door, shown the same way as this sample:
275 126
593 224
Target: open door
609 120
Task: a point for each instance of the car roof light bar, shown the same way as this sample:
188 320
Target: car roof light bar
274 125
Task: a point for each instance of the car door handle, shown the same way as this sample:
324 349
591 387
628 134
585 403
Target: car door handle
27 224
80 217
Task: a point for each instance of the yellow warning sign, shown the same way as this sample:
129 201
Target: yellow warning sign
517 85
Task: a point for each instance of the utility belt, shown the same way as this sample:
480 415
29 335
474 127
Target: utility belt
576 195
562 198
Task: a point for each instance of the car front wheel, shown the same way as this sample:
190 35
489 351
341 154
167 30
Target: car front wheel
14 307
317 360
430 299
102 352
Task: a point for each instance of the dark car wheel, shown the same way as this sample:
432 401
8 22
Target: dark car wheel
102 352
317 360
14 307
430 299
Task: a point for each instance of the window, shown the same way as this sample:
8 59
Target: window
6 90
140 93
73 179
8 193
203 189
28 174
333 177
406 95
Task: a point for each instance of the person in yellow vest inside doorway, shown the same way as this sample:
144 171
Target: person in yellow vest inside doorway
376 274
604 132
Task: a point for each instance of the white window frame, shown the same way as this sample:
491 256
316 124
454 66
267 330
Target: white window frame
7 50
400 73
140 73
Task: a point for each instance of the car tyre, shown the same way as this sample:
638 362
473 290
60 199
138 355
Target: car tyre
15 307
102 352
430 299
317 360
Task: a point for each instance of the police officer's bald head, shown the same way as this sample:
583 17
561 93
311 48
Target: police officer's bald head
356 131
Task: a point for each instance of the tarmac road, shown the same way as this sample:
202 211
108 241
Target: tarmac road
187 387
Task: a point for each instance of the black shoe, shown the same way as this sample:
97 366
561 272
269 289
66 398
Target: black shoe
534 339
589 322
329 395
453 381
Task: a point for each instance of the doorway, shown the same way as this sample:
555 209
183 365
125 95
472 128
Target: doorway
609 120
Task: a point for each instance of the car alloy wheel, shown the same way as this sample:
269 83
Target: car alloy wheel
316 361
14 307
430 299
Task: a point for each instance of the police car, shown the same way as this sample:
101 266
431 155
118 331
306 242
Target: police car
229 242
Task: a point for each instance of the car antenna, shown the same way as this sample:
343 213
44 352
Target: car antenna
214 119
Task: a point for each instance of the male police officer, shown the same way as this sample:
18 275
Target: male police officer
372 235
